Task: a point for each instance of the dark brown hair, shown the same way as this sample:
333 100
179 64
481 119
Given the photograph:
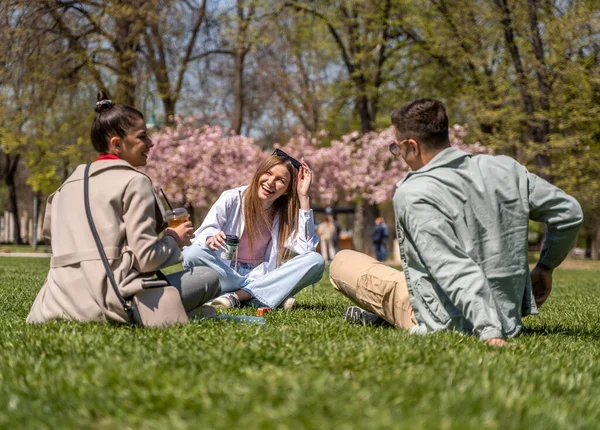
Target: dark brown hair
424 120
111 120
286 206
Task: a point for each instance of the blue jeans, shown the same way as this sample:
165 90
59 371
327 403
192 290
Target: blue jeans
269 290
380 251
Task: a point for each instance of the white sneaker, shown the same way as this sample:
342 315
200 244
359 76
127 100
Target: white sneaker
288 304
226 301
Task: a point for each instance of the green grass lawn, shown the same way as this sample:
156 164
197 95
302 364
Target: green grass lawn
303 369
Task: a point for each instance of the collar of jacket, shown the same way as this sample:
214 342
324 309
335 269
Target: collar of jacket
442 159
96 168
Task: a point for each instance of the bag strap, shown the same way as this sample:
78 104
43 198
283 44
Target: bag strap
109 272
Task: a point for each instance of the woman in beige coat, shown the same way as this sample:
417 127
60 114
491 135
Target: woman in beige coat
129 218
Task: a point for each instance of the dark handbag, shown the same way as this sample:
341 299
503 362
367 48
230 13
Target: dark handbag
158 304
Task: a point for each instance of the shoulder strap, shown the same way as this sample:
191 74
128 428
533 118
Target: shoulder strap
109 272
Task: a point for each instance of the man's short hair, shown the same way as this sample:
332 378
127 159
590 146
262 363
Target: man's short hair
424 120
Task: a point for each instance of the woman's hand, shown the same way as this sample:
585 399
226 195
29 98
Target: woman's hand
183 234
216 242
304 181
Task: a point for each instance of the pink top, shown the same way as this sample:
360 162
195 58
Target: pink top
261 242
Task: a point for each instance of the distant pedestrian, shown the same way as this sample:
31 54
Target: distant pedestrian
379 237
327 233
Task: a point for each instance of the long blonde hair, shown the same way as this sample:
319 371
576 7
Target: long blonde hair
286 206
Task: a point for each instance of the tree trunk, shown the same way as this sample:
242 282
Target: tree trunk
588 246
37 197
541 128
125 44
366 122
9 179
364 220
238 92
358 226
371 212
125 81
169 107
595 251
538 129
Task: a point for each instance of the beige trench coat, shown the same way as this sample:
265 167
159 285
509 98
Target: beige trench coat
128 216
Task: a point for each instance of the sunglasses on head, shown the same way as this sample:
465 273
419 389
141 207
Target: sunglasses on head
294 162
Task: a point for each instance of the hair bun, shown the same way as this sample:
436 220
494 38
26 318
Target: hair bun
104 105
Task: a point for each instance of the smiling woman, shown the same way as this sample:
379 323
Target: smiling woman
272 219
131 231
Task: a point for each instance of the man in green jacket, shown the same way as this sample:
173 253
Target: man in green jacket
462 224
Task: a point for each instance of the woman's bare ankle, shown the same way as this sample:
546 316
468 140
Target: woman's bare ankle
242 295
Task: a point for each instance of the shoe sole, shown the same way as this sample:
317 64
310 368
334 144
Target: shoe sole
356 315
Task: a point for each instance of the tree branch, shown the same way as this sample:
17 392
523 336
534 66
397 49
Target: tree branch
189 49
211 52
338 40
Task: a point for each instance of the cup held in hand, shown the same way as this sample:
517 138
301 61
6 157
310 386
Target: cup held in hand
231 245
177 217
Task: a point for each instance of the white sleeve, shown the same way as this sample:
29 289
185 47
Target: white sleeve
306 239
215 220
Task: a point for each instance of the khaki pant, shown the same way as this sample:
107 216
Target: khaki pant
373 286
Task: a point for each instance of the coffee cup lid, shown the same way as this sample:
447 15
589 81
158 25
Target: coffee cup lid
232 238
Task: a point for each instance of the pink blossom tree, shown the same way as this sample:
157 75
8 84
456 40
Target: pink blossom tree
194 162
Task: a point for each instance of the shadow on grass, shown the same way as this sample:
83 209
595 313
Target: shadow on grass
313 307
560 330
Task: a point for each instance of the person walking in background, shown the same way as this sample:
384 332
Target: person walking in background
462 224
273 222
131 227
379 237
327 233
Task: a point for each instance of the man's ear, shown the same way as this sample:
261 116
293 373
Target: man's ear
114 145
415 147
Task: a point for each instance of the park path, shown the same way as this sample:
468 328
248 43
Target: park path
25 254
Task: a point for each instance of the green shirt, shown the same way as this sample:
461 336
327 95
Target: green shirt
462 224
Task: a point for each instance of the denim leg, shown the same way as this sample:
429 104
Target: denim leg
229 279
380 252
287 280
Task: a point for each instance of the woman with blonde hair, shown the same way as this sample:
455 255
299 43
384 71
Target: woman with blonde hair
272 219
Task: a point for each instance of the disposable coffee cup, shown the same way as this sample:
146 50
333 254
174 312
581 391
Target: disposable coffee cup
177 217
231 245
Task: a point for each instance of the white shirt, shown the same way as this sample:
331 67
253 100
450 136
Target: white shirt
227 215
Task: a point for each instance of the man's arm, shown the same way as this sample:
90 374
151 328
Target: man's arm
563 217
460 278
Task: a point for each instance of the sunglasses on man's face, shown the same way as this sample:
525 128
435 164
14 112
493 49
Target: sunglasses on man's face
294 162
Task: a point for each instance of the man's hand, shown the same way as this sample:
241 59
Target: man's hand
497 342
541 284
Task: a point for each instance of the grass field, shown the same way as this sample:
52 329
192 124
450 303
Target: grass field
303 369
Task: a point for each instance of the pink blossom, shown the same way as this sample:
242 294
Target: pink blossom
195 162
